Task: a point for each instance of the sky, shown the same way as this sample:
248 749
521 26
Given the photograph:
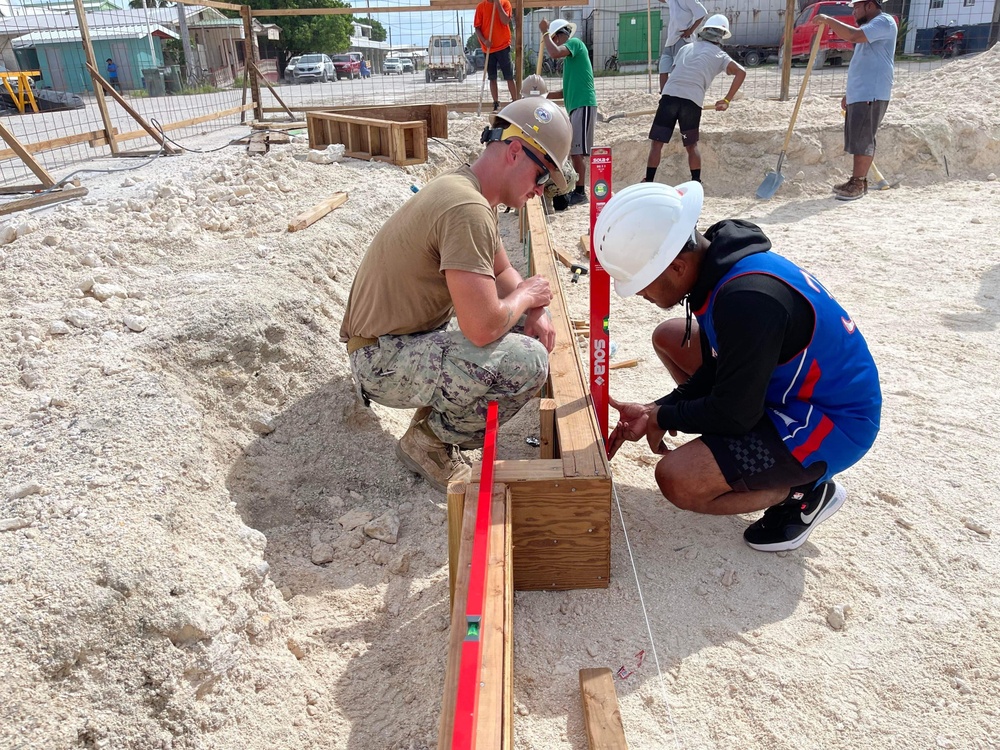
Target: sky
417 28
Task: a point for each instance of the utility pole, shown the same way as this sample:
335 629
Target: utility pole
185 37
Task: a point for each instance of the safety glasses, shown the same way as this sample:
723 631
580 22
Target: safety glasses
545 175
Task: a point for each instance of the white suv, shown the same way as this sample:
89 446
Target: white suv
314 67
392 65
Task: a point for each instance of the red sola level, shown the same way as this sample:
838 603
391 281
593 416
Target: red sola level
600 290
467 698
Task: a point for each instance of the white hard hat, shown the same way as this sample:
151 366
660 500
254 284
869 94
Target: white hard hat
642 229
718 21
561 24
533 85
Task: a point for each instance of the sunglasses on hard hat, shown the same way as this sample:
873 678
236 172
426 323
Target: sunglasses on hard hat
545 175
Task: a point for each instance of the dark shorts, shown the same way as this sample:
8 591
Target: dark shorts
674 110
860 126
759 460
500 59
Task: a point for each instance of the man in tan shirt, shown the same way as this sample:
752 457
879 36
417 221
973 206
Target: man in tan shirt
440 257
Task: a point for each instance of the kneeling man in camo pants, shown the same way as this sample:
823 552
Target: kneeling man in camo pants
440 256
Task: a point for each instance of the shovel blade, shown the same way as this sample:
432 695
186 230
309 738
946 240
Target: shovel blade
772 181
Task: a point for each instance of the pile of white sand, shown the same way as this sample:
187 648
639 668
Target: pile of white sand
206 542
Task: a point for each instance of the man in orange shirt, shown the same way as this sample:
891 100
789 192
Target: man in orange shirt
492 24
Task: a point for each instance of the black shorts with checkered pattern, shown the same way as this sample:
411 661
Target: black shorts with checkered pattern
759 460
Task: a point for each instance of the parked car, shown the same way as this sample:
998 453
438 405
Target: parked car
290 68
314 67
392 65
478 58
348 65
408 66
832 49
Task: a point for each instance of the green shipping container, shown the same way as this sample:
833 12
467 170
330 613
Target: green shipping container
633 36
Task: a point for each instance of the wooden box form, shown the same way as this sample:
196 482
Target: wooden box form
401 143
561 502
435 115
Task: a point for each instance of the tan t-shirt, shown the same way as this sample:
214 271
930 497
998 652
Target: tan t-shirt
400 287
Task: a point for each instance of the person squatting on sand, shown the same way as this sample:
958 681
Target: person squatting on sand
781 389
695 67
432 321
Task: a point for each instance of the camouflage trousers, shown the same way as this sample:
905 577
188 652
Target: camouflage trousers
457 379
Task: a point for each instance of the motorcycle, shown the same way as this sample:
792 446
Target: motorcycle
948 41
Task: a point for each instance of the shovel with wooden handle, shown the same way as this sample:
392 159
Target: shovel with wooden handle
486 62
772 181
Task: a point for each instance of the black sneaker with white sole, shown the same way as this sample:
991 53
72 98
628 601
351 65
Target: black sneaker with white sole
787 525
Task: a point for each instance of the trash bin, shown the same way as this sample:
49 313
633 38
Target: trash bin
172 79
154 80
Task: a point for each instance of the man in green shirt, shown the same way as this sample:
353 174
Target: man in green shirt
577 93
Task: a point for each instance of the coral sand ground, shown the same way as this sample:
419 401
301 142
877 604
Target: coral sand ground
206 541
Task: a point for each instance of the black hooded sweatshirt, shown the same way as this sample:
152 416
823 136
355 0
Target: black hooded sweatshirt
760 322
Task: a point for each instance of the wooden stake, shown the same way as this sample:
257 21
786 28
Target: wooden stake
88 48
623 364
563 258
29 161
270 86
43 199
316 213
153 132
600 710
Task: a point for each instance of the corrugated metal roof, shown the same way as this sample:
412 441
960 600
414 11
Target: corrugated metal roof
20 24
102 34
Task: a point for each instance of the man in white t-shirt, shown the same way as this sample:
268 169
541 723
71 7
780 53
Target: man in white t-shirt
685 16
696 67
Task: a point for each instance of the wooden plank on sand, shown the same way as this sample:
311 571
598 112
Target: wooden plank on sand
600 710
316 213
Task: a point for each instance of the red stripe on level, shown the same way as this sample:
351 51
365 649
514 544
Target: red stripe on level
824 428
467 698
812 377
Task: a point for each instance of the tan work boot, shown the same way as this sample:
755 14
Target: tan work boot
857 187
842 186
421 451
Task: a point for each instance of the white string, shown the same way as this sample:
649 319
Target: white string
649 628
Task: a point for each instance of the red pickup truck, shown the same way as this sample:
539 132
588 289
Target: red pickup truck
347 65
832 48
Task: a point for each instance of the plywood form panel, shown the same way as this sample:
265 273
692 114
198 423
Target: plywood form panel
561 533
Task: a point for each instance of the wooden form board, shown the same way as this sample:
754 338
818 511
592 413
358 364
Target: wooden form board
581 446
601 715
495 709
401 143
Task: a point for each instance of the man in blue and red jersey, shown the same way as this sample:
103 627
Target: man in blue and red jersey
779 384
